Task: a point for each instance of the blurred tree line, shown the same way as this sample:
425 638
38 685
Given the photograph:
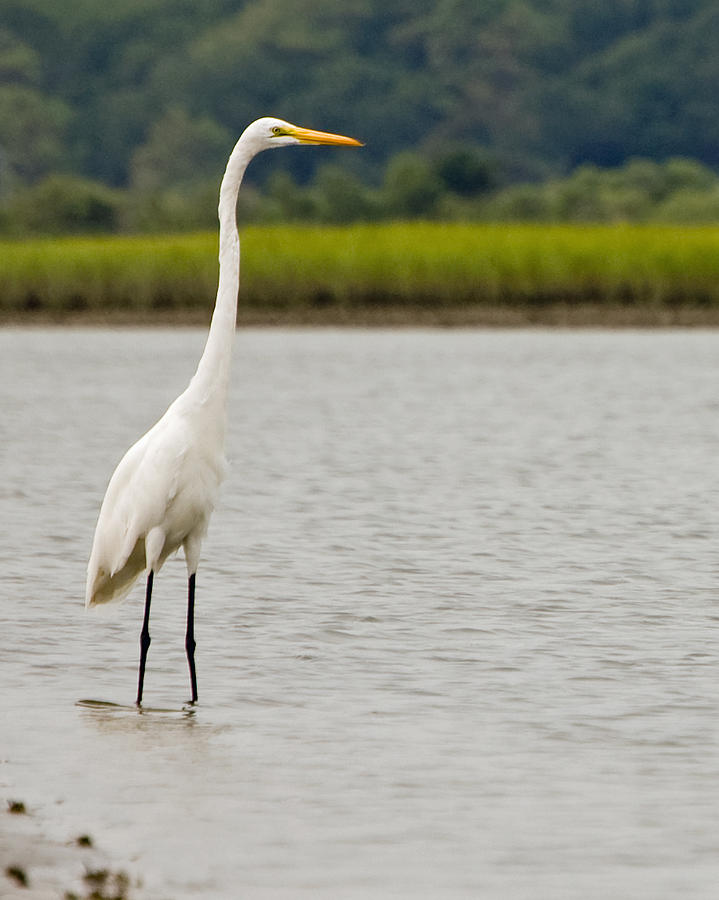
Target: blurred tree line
121 117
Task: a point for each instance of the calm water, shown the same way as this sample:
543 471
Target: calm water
457 616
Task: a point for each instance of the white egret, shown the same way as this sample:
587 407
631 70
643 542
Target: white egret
163 491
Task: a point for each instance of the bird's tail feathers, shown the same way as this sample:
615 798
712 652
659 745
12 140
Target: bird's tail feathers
104 586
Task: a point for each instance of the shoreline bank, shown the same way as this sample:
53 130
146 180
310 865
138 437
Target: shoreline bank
38 866
554 315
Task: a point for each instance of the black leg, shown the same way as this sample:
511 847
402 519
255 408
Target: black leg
145 637
190 636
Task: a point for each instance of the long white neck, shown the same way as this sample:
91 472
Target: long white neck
210 382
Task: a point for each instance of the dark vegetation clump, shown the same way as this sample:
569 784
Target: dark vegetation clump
18 875
102 884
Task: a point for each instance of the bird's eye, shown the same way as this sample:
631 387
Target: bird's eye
277 131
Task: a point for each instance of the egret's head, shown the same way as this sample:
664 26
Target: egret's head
268 132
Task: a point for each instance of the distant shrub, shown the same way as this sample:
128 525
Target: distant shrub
690 206
411 186
466 171
65 204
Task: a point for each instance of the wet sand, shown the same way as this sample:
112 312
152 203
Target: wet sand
36 866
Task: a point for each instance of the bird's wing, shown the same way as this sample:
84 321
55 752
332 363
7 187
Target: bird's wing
142 487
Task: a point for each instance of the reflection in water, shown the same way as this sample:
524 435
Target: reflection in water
455 627
187 711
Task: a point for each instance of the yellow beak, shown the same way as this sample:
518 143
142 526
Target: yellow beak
308 136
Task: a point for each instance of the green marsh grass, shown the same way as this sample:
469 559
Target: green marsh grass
391 265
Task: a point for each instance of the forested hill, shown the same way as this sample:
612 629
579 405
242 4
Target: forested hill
125 90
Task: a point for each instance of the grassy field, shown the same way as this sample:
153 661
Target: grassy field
457 273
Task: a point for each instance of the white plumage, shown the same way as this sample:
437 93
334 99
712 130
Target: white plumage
163 491
159 499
